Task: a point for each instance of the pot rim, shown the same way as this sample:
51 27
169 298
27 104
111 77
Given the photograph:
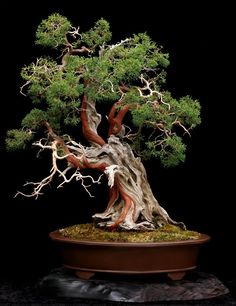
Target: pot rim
57 236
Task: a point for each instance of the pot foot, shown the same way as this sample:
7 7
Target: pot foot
176 275
84 274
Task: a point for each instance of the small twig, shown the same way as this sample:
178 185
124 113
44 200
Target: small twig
182 126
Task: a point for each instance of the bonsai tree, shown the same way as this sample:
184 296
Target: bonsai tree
141 119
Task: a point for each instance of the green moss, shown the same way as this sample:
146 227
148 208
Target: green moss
90 232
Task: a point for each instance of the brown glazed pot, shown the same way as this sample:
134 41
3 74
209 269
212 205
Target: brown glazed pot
89 257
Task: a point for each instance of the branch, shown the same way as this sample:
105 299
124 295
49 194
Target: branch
23 86
182 126
38 186
122 42
151 92
83 49
112 85
69 49
75 32
116 121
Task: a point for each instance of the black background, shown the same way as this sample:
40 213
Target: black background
199 192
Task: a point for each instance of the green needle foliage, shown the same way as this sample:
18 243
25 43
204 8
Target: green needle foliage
52 31
131 71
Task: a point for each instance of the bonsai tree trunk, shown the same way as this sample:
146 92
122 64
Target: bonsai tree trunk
131 204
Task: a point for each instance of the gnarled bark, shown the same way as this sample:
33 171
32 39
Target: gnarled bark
132 204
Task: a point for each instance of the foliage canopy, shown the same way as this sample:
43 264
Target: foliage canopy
130 73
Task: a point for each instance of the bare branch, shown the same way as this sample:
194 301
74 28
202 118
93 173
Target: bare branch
38 186
75 32
151 91
182 126
23 86
122 42
112 85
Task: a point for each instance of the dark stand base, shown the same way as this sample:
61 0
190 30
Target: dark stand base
195 285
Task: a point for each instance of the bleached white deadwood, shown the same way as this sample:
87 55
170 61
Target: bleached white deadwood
122 42
76 174
75 32
152 92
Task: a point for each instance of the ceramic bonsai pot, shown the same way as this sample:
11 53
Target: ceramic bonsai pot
89 257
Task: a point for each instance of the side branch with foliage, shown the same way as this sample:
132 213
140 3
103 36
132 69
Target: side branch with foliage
129 76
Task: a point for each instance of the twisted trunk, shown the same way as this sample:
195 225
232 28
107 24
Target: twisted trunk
131 204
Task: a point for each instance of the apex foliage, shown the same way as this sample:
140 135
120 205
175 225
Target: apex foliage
52 31
131 71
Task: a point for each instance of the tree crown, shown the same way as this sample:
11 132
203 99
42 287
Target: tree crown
129 75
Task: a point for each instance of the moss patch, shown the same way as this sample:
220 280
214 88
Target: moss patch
90 232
